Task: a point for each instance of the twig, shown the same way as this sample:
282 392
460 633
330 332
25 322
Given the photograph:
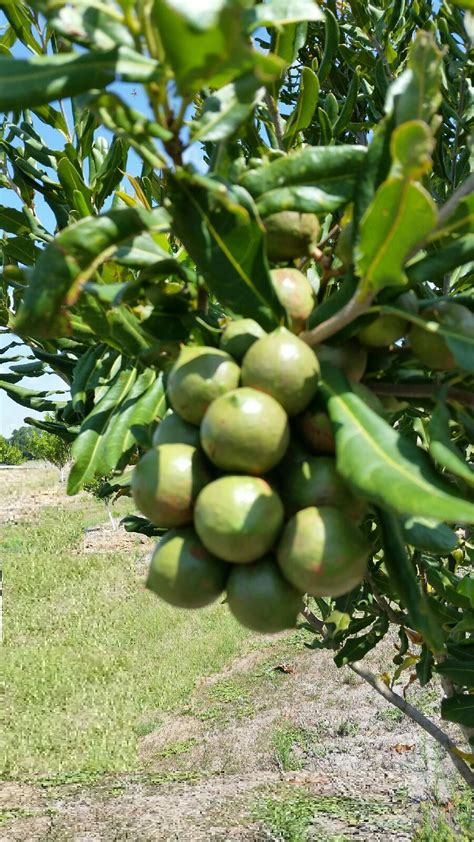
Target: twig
421 390
347 314
416 716
394 616
464 189
276 120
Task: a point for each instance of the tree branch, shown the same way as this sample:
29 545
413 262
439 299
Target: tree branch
463 190
416 716
276 120
421 390
347 314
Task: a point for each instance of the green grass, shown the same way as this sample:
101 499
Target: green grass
452 825
285 739
296 815
91 656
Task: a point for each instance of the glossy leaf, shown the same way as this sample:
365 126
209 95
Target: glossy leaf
31 399
69 261
85 24
145 400
306 167
72 182
26 83
400 217
12 220
282 13
416 93
228 246
356 648
87 449
460 671
306 105
459 708
94 368
429 535
208 46
331 44
383 465
225 110
442 449
326 198
403 577
437 263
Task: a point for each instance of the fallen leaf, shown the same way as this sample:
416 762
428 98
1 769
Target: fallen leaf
286 668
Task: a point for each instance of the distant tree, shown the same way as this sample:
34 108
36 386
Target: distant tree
51 448
23 438
10 454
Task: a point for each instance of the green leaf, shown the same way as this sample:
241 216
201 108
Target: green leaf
110 172
94 368
69 261
31 399
348 106
326 198
429 535
228 245
282 13
26 83
331 44
459 671
411 146
208 46
82 23
416 93
383 465
144 402
20 18
461 221
226 109
356 648
424 667
305 107
12 220
288 40
459 708
87 449
400 217
306 167
437 263
72 183
67 434
374 172
404 579
466 588
141 251
442 449
20 250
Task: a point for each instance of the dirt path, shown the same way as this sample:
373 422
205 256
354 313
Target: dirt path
280 740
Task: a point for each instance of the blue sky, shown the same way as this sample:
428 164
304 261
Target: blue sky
12 414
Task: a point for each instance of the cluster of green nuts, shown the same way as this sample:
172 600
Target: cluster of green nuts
242 475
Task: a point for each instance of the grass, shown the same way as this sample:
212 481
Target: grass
286 738
90 654
297 815
452 823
